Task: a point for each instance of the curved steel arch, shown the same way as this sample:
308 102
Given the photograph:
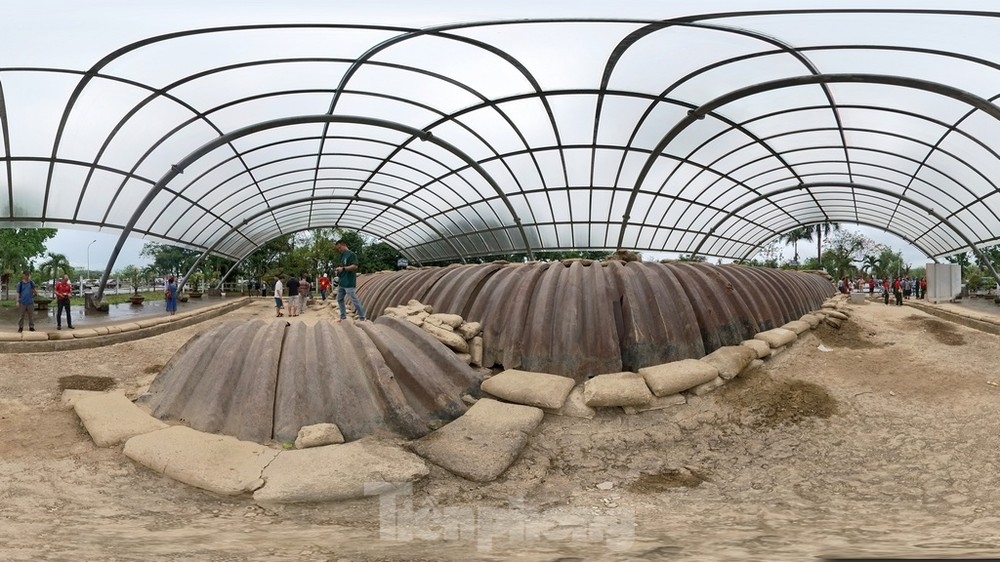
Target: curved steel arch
194 156
306 200
888 193
782 48
5 137
713 105
257 246
388 234
117 53
907 224
440 31
257 183
204 115
943 192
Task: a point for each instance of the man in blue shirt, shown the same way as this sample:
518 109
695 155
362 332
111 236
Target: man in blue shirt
26 301
347 272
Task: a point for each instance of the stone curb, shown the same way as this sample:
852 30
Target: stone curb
117 333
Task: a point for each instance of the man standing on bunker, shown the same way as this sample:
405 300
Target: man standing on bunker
347 272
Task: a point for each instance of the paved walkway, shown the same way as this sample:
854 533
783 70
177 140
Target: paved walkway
979 313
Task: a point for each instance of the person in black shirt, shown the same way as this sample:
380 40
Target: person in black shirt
293 296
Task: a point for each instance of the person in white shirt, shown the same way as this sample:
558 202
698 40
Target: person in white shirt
278 288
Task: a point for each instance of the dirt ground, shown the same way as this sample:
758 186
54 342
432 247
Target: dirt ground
884 445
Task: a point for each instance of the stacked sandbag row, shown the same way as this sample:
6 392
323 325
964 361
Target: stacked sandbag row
581 318
450 329
262 380
657 386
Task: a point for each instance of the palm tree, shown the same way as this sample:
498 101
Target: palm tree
794 236
873 264
55 266
820 230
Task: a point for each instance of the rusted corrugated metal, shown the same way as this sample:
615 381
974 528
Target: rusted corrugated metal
261 380
264 380
580 318
222 381
654 325
506 300
721 316
570 327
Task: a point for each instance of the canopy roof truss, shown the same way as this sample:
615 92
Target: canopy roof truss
707 134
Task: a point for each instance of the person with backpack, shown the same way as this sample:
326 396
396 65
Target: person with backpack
26 292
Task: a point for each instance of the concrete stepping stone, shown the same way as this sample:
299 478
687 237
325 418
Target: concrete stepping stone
336 472
541 390
34 336
111 418
217 463
484 442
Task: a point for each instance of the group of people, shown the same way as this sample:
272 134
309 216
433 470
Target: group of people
901 287
26 293
300 287
298 292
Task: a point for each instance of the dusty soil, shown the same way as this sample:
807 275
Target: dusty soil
888 444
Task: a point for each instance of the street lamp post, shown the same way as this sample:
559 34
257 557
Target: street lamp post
88 259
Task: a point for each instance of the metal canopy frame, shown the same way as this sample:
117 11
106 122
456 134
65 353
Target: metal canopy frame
496 149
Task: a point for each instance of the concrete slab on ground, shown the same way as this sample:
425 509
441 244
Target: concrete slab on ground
217 463
336 472
111 418
482 443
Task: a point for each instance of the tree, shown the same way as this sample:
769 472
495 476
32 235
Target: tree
892 262
844 248
770 252
872 264
379 257
135 276
169 259
961 259
794 236
819 231
56 266
18 248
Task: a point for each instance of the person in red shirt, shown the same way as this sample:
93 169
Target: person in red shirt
897 290
63 292
885 290
324 286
